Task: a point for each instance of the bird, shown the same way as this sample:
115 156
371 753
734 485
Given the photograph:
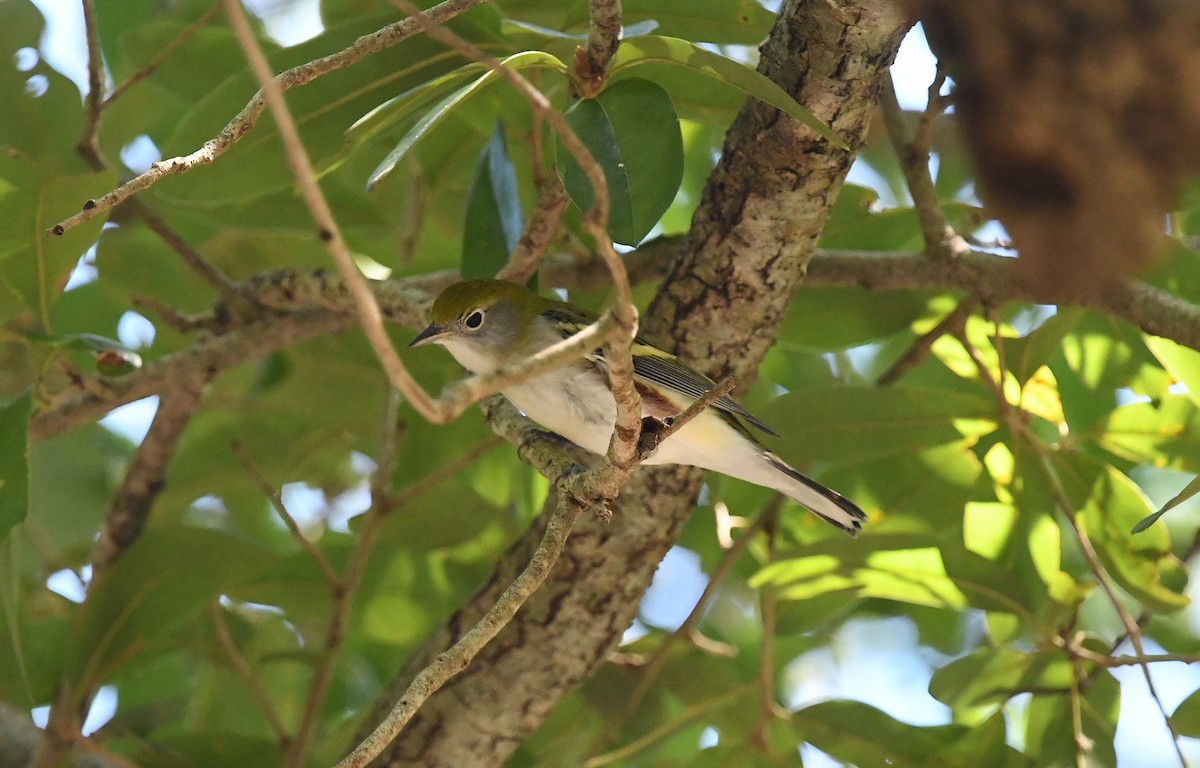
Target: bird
488 324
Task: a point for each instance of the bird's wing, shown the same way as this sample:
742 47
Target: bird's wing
654 366
666 370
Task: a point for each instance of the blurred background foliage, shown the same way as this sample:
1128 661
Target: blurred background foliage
950 633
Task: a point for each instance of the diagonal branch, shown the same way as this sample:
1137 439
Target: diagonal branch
88 146
313 303
940 238
240 125
130 507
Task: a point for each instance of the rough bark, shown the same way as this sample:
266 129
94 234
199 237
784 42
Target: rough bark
752 234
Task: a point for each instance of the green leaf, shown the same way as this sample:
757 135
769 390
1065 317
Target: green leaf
112 357
36 265
256 165
169 574
1050 729
858 733
451 103
400 109
632 132
1024 356
832 318
1187 716
42 110
742 22
1183 363
494 220
1190 490
859 423
650 49
1163 434
14 462
1112 508
994 675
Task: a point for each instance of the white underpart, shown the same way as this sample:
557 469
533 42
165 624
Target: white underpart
575 402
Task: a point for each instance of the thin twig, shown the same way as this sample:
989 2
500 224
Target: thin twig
240 125
190 256
768 705
649 673
940 237
1083 745
540 230
346 587
163 54
1109 661
665 729
327 229
652 439
1097 568
245 671
452 661
130 507
87 146
274 496
418 489
181 322
953 323
105 756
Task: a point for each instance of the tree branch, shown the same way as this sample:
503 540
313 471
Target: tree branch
240 125
830 59
144 478
940 238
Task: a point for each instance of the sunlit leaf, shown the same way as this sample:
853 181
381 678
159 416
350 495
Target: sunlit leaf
1025 355
1190 490
860 734
1113 507
1183 363
995 675
859 423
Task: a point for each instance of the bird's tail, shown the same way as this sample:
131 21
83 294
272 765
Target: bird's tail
826 504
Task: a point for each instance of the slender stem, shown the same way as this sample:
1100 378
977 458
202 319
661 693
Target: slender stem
273 494
940 237
163 54
698 406
649 673
240 125
87 145
241 665
450 662
365 305
1132 631
346 587
686 717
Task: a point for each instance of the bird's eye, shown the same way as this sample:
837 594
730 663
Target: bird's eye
474 320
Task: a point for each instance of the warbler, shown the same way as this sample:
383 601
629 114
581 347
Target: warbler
486 324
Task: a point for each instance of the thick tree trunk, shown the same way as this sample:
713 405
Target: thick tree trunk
751 237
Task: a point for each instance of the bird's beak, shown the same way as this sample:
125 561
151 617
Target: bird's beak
429 335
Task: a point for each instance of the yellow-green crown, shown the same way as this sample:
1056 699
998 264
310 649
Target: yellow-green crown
460 298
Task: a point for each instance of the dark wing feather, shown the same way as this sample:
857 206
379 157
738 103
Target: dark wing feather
670 371
660 368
